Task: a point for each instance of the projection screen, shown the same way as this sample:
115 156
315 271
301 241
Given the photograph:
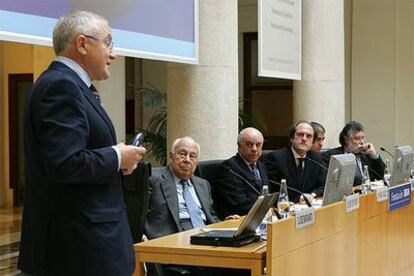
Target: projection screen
154 29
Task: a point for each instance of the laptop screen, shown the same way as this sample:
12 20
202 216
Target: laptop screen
256 214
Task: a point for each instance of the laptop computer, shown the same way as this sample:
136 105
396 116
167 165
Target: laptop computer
245 233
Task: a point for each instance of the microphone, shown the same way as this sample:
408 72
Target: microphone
245 181
376 173
269 181
292 190
278 215
384 150
317 163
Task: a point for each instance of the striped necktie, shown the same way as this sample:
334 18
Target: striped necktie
193 210
255 171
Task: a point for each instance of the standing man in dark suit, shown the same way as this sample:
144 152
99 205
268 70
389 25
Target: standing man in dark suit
74 220
352 140
301 167
179 200
234 195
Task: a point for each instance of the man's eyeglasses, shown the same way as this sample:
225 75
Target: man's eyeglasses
109 44
183 155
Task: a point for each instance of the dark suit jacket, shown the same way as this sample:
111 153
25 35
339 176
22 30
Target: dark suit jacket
74 221
163 217
281 165
234 195
376 166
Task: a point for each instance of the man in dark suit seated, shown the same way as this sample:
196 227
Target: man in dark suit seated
74 220
352 140
301 167
234 195
179 200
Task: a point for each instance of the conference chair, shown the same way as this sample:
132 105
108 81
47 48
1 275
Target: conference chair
136 188
208 170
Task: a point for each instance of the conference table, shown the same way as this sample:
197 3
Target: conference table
176 249
368 241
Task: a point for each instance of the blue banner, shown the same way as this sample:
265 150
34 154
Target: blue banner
399 196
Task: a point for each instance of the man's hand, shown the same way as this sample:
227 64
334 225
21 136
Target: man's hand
310 197
232 217
369 149
130 157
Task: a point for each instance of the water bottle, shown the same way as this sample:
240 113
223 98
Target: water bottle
265 190
366 181
283 203
262 231
387 173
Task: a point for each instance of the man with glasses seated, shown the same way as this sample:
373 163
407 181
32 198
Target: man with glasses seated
179 200
352 140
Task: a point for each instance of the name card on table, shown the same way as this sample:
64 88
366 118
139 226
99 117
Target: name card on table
399 196
382 193
352 203
305 217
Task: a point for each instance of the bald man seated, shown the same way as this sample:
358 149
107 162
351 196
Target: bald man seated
232 193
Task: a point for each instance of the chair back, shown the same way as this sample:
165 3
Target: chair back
136 193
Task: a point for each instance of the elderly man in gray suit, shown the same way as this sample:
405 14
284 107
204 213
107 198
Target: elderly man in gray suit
179 200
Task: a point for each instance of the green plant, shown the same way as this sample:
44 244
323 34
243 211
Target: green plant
156 133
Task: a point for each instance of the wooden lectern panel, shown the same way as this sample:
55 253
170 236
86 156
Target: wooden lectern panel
368 241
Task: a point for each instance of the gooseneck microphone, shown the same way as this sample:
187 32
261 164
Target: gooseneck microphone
267 182
245 181
292 190
376 173
384 150
317 163
252 187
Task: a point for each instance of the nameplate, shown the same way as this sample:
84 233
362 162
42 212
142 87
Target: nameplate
352 203
382 193
399 196
305 217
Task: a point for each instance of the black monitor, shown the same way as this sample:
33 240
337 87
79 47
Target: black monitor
402 165
340 178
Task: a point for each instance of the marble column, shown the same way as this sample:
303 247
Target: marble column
203 98
320 94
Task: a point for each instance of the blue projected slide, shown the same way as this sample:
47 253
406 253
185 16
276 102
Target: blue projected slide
162 29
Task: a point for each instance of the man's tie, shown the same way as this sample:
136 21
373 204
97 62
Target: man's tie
255 171
193 210
95 93
358 173
300 167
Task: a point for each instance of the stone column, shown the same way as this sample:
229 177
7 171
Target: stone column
203 98
320 95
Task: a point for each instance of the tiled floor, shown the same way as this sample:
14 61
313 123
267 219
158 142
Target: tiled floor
10 227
